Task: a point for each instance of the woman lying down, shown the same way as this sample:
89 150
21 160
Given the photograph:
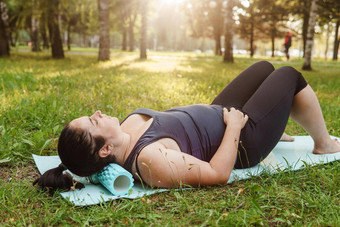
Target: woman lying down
195 145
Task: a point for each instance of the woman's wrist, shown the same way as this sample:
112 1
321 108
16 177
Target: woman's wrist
234 126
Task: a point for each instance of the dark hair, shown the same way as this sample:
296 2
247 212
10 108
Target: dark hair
78 151
56 179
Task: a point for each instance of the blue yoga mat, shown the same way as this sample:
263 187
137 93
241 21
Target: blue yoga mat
285 156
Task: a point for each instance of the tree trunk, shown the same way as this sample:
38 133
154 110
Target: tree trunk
252 28
69 36
12 38
143 39
304 33
43 31
53 28
310 36
228 53
131 33
35 27
327 41
273 35
124 42
4 45
218 27
273 44
251 40
104 30
336 40
306 13
218 50
84 40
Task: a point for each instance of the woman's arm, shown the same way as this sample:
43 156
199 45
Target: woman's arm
224 159
163 167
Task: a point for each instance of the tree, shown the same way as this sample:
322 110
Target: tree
143 39
53 28
35 26
125 15
71 17
14 9
249 24
272 14
216 20
25 16
262 20
170 36
120 14
310 36
206 20
305 6
228 33
301 8
132 12
329 12
104 30
87 23
327 39
4 45
336 39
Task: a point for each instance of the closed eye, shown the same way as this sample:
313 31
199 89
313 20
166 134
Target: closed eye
95 122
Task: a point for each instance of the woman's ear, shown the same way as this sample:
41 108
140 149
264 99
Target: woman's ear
105 151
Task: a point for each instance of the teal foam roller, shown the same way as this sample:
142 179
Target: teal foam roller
114 178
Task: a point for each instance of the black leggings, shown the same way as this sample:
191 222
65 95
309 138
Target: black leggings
266 96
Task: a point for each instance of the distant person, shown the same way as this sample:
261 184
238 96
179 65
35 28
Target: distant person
287 44
195 145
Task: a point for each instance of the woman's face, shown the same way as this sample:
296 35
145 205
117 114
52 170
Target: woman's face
100 125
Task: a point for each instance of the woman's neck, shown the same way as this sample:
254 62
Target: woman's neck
133 128
123 149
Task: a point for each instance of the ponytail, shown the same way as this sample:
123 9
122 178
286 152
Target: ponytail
55 179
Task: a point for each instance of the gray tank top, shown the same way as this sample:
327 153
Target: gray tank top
197 129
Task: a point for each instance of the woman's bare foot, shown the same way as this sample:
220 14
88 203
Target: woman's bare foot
286 138
332 146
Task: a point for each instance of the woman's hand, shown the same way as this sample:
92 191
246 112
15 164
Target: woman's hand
234 118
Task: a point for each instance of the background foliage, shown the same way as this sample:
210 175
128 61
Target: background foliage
173 24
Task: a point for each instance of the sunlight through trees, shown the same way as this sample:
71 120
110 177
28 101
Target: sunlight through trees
221 27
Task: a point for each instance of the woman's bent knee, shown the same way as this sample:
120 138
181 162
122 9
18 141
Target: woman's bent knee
265 64
289 73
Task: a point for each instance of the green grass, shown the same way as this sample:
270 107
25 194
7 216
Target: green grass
39 95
